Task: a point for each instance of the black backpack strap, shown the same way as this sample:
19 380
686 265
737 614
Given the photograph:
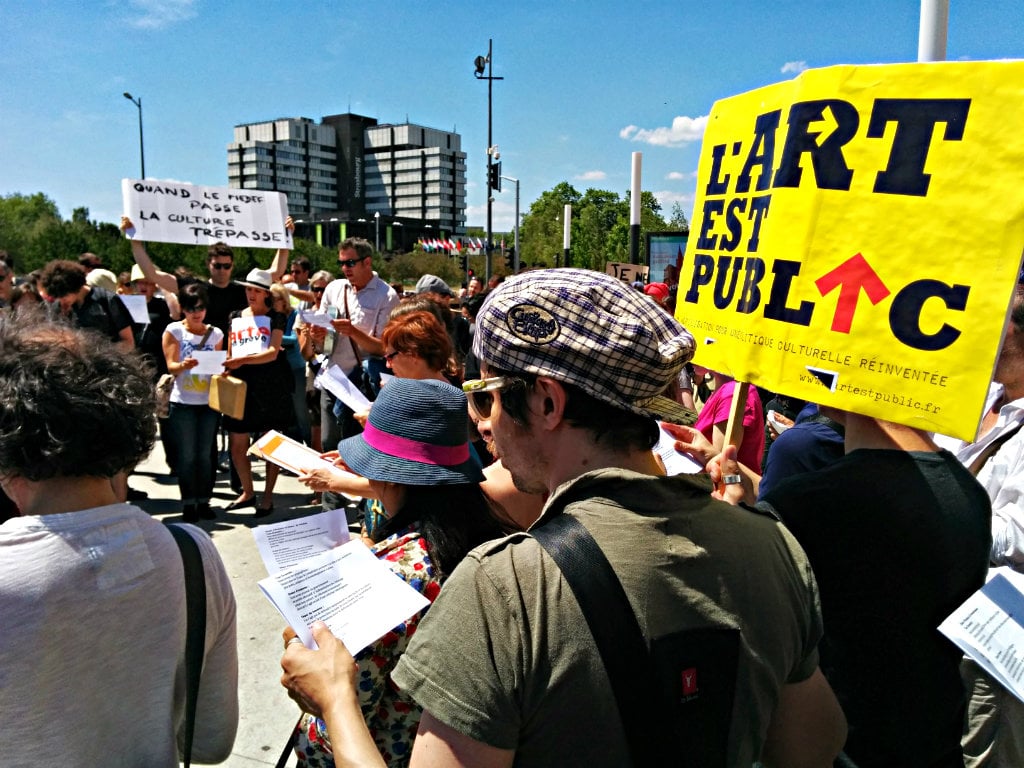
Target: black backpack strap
616 632
195 636
675 693
991 449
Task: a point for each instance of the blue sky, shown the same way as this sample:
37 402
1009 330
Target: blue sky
587 82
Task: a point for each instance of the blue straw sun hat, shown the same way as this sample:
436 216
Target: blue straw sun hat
416 435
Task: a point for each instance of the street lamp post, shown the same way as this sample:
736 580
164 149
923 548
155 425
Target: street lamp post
142 152
376 218
481 63
515 259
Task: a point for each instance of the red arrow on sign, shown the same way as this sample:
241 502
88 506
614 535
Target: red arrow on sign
850 277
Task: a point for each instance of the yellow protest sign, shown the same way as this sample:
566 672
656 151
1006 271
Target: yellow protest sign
857 235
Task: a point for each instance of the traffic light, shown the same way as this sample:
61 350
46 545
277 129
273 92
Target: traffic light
495 180
510 259
465 264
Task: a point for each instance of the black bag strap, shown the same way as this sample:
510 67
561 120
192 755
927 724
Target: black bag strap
355 349
195 635
991 449
202 342
616 632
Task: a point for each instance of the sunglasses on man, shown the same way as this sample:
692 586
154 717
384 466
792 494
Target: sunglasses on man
480 393
350 262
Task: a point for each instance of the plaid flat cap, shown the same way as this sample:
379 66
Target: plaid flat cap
590 330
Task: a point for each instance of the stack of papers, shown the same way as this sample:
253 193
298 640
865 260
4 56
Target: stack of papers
989 628
317 574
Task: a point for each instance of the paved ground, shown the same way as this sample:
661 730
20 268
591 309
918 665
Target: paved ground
267 715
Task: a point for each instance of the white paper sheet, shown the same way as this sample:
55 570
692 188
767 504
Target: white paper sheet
312 317
286 544
211 362
294 456
349 589
989 627
772 418
136 306
334 380
675 462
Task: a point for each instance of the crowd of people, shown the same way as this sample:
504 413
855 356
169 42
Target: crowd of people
781 607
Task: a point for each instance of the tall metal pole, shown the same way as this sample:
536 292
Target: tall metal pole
142 151
481 63
635 196
515 260
490 159
931 38
567 235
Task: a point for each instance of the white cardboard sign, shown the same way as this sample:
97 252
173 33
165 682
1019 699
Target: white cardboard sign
172 212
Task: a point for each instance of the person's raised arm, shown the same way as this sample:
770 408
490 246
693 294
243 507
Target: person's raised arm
166 281
280 263
807 729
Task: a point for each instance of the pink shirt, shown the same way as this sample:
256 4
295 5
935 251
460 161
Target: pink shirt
716 410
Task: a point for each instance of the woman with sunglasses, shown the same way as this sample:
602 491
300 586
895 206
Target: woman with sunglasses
416 346
414 454
191 423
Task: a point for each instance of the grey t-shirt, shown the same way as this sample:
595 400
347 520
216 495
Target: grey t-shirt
505 656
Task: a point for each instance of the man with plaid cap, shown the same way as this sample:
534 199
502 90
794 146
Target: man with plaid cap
505 665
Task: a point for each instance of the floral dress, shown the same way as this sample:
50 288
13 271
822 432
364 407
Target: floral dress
391 716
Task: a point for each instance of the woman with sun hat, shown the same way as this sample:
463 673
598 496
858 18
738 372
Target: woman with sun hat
415 454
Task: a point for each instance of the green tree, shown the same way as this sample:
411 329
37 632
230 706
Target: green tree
677 219
540 234
599 211
22 218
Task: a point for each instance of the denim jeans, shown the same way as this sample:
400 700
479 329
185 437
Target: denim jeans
194 429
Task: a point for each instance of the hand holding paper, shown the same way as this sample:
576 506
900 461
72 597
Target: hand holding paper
349 589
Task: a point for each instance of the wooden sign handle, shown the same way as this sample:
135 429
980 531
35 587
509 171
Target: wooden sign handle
739 402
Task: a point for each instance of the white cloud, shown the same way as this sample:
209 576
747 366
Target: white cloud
503 215
794 67
157 14
592 176
678 176
684 130
668 199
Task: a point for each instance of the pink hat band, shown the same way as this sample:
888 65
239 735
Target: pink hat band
414 450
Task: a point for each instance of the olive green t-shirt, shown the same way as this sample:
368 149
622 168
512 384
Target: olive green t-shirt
505 655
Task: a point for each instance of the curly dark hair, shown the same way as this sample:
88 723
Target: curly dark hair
62 278
70 406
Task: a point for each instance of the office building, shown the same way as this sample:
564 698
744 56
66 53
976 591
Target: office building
349 175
